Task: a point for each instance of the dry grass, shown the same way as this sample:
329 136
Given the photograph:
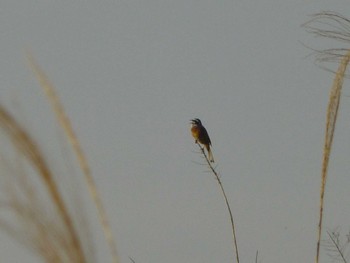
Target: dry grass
332 111
72 138
33 209
331 25
217 177
37 217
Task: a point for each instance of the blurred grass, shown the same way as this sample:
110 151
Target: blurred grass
56 240
65 123
33 209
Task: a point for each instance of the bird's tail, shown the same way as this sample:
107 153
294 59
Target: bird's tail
210 154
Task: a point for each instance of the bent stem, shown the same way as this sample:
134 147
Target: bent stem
217 177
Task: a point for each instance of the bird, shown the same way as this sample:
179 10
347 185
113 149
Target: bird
200 135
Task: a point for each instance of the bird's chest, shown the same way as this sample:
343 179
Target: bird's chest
195 130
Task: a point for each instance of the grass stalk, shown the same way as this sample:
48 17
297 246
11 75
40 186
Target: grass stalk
217 177
332 113
332 26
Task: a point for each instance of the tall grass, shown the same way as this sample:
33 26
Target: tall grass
334 26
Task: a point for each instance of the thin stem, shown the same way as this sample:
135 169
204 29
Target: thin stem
217 177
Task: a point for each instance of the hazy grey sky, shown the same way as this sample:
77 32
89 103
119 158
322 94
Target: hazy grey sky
131 74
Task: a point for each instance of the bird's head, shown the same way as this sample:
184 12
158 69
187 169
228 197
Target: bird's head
196 122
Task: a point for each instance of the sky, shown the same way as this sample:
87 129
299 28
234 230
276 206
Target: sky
131 74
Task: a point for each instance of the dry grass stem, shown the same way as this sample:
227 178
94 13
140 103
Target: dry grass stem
217 177
332 112
65 123
334 26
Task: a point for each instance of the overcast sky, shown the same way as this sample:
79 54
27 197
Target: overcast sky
131 74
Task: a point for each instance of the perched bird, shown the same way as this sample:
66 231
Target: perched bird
200 135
